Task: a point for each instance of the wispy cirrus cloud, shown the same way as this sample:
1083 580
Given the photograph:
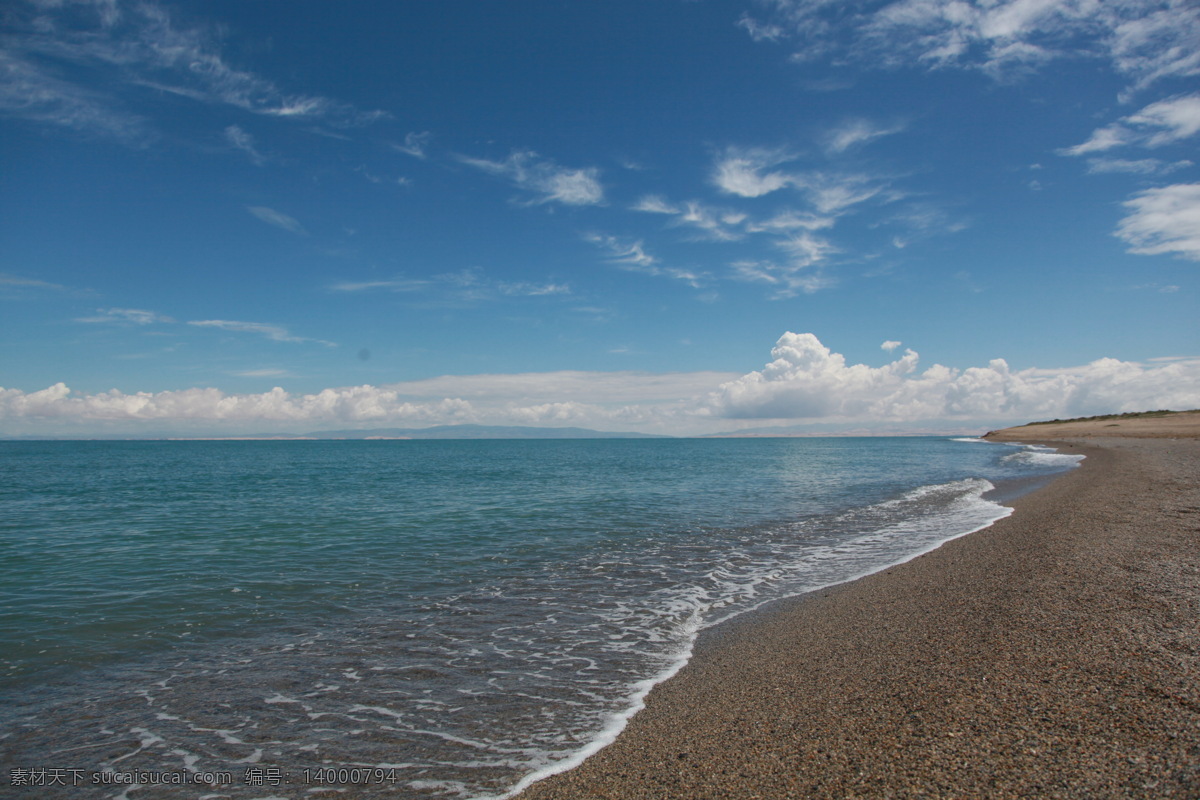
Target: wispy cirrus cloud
125 316
83 65
631 255
239 139
1140 166
1158 124
543 178
825 195
754 172
789 278
276 333
415 145
468 285
19 282
278 219
37 93
1144 40
395 285
1165 220
750 171
856 132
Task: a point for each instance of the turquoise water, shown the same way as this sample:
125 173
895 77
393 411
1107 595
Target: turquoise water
455 615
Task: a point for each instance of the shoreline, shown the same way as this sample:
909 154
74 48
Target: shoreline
1052 653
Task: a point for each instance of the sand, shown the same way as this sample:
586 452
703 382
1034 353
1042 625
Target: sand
1055 654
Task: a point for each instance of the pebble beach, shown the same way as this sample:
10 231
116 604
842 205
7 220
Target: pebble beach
1054 654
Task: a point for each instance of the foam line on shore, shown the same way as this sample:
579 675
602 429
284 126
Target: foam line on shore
1053 654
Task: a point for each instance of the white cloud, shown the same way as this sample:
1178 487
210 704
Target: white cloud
1141 166
16 281
542 177
716 224
1164 220
653 204
263 373
807 381
1161 123
745 171
855 132
1145 40
465 285
128 316
791 278
631 255
751 172
397 285
276 333
415 144
605 400
278 219
241 140
623 252
785 222
31 91
890 345
127 49
834 193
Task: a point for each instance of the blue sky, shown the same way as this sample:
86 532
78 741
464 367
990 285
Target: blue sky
666 216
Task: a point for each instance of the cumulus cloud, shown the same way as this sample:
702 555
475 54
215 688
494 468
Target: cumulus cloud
589 399
805 380
890 345
545 179
352 404
278 219
1164 220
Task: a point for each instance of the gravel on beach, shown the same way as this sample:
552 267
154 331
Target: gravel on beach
1055 654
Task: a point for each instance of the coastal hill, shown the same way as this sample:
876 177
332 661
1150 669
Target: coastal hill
1138 425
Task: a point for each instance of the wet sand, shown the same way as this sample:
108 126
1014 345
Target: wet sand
1055 654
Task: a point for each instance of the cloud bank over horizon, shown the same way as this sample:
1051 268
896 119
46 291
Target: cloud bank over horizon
805 383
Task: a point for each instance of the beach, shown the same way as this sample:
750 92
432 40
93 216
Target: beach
1053 654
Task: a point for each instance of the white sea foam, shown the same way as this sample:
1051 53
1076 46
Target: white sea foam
1040 456
953 510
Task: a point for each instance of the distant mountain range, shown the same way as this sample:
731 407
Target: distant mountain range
479 432
436 432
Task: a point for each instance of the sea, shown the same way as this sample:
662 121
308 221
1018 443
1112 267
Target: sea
415 619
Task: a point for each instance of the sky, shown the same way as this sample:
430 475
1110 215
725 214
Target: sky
665 216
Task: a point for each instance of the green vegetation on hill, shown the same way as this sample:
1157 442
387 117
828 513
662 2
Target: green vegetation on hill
1101 417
